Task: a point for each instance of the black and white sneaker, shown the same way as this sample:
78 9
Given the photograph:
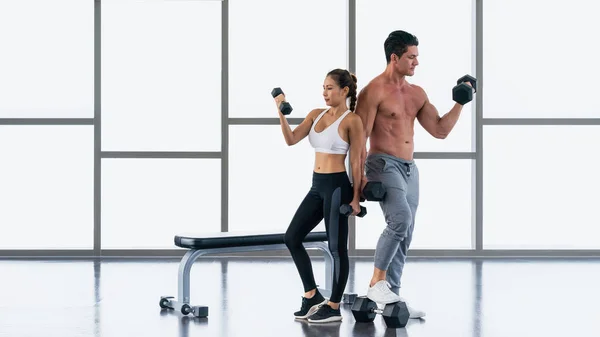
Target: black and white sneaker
325 314
310 305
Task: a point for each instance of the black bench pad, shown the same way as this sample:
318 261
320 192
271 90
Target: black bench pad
238 239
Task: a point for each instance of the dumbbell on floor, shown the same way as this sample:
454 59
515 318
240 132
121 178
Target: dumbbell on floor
373 191
347 210
285 107
462 93
395 315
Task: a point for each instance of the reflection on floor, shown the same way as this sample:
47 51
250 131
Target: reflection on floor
256 297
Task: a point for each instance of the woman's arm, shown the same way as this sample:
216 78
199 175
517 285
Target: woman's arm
294 136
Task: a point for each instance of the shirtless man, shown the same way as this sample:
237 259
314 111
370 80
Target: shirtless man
388 106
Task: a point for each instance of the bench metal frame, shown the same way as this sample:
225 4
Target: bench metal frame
182 303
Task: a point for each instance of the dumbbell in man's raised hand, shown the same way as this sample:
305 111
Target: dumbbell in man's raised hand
462 93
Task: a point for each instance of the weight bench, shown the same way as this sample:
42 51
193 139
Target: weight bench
232 242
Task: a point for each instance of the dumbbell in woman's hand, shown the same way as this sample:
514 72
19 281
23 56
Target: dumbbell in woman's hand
284 106
347 210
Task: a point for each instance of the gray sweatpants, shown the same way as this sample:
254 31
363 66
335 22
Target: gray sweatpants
401 180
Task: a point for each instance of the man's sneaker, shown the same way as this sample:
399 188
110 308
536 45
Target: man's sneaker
414 313
325 314
310 305
380 292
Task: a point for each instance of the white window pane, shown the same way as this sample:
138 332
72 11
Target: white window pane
47 187
146 202
161 75
283 44
266 196
445 55
443 217
522 60
47 59
540 187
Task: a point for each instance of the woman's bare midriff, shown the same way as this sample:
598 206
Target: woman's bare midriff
329 163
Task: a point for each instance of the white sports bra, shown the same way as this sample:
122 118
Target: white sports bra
328 140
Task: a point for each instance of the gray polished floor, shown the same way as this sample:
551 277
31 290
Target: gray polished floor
256 297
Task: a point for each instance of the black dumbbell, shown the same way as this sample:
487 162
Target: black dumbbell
463 93
373 191
285 107
347 210
395 315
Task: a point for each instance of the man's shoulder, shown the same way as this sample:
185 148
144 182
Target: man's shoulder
418 89
418 94
372 88
376 81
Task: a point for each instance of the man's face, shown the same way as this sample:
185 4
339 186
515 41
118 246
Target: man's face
406 64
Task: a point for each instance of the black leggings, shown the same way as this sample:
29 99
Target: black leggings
328 192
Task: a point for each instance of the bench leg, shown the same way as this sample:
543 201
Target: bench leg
182 303
347 298
183 288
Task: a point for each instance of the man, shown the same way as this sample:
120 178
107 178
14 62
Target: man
388 106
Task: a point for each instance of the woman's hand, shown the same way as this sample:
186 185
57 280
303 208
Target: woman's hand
278 99
355 206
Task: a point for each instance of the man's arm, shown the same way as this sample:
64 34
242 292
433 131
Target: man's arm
366 109
438 127
356 135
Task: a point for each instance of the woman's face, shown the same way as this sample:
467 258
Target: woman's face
332 93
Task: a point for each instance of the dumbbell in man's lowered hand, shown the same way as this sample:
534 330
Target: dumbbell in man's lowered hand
373 191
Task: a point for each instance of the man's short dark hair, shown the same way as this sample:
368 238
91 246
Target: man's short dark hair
397 43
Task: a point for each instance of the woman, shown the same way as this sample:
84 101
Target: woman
332 132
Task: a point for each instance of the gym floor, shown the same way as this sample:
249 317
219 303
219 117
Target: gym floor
257 296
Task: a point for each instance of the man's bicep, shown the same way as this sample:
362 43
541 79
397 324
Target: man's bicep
429 117
366 109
